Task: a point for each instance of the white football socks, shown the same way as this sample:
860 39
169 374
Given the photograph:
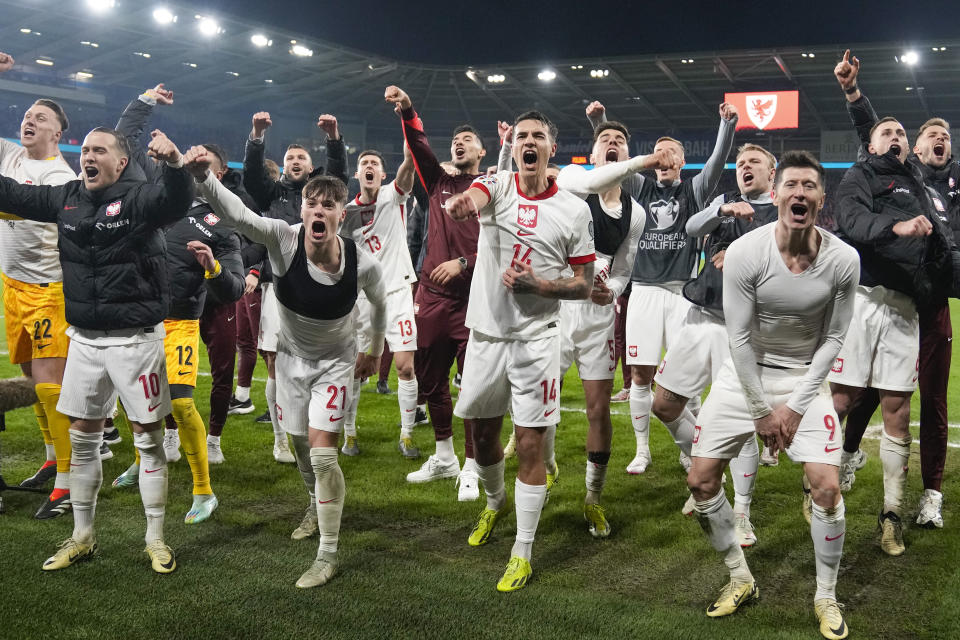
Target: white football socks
330 491
529 503
445 452
641 399
350 415
827 528
153 480
549 454
271 393
596 477
492 479
743 470
242 394
682 430
86 476
407 399
894 457
716 519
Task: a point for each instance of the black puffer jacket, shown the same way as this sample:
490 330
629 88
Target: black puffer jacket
877 193
111 246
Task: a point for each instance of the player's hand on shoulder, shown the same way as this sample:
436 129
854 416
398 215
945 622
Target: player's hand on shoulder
203 254
162 148
6 62
915 227
261 122
161 94
728 111
328 123
601 295
397 96
738 209
847 70
197 160
596 110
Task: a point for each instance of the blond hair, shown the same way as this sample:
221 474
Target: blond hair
755 147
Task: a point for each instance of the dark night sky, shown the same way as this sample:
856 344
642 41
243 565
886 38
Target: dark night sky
481 32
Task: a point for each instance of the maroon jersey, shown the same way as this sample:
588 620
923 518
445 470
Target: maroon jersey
446 238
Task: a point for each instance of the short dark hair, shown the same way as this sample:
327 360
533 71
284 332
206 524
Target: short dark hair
799 160
218 151
57 109
611 124
880 122
539 117
372 152
297 146
469 128
123 144
326 186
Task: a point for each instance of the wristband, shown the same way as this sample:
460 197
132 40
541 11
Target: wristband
210 275
463 262
851 90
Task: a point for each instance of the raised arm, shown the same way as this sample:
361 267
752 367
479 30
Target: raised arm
134 120
505 160
596 114
258 184
706 181
336 149
170 197
33 202
424 160
861 112
406 172
836 323
600 179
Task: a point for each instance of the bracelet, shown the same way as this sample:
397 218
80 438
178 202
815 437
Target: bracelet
210 275
851 90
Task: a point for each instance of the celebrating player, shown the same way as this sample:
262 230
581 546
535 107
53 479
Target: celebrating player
665 260
33 291
375 221
587 327
530 232
281 199
116 292
787 299
701 346
318 276
444 286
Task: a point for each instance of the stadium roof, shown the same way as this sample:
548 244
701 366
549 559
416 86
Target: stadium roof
227 72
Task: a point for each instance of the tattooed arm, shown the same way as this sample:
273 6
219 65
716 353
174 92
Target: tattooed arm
521 279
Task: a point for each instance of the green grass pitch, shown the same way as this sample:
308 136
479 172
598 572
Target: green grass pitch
407 572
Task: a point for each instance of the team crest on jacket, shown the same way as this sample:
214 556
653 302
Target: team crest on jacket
113 208
211 219
527 216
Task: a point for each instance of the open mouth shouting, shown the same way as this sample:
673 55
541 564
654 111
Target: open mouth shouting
799 211
939 151
318 230
90 172
459 153
368 175
895 148
747 179
28 132
529 157
612 155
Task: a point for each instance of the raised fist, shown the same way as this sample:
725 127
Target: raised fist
846 70
160 94
261 122
162 148
505 131
461 206
728 111
397 96
6 62
662 159
197 160
737 210
328 123
595 110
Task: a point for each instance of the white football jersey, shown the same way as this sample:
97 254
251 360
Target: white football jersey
380 229
548 231
28 249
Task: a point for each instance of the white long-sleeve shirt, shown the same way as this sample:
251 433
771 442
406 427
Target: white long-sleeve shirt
782 319
304 337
